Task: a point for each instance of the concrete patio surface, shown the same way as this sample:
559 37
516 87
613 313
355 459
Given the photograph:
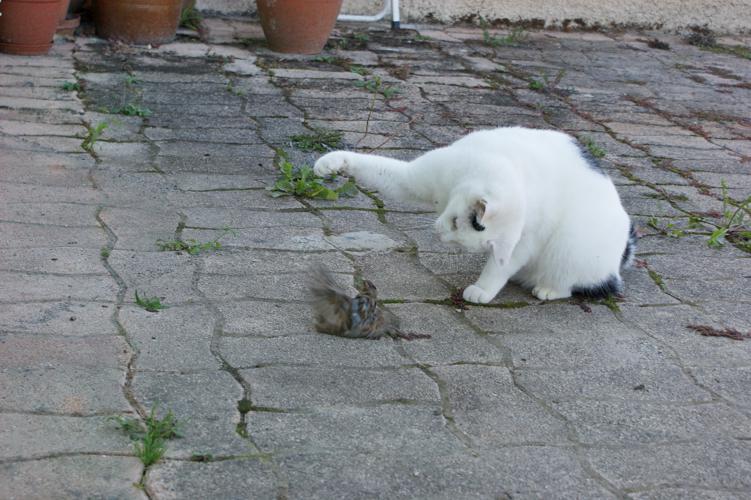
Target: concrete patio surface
518 399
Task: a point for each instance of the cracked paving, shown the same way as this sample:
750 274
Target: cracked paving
515 399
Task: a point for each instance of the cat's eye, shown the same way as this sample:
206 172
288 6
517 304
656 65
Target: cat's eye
453 224
475 223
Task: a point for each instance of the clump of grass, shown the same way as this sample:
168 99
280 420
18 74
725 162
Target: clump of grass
151 304
593 148
104 252
304 183
93 134
320 140
149 435
190 18
192 246
132 110
71 86
375 85
422 38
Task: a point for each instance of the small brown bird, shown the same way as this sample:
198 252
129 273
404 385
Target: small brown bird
336 313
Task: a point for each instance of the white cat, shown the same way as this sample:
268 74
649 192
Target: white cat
534 199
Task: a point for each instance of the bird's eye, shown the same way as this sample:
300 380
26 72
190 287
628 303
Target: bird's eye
475 223
453 224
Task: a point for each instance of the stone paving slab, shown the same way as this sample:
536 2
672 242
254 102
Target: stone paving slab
515 399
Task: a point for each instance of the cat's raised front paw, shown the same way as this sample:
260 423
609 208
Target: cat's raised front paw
474 293
545 293
331 163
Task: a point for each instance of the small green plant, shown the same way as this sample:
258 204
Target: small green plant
362 38
190 18
131 80
376 86
669 229
321 140
133 110
422 38
234 90
192 246
151 304
358 70
327 59
303 182
104 252
92 135
545 84
732 227
517 35
593 148
536 85
149 436
71 86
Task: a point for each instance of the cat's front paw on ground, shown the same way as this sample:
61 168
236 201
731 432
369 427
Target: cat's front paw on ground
546 293
474 293
331 163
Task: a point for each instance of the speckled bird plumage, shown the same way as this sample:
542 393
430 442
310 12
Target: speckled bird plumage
336 313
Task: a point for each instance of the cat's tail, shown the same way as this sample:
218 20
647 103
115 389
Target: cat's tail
628 253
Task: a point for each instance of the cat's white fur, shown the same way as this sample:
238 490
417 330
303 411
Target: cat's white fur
553 222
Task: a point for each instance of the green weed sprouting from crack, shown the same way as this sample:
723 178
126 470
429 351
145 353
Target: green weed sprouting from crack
190 18
657 279
234 90
375 85
595 150
71 86
320 140
669 229
93 134
104 252
303 182
151 304
422 38
732 228
545 84
517 36
131 109
192 246
149 435
611 302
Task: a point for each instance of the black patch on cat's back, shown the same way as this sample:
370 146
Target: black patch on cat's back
613 285
589 158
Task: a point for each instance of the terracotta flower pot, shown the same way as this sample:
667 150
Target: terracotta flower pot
298 26
27 26
137 21
64 4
